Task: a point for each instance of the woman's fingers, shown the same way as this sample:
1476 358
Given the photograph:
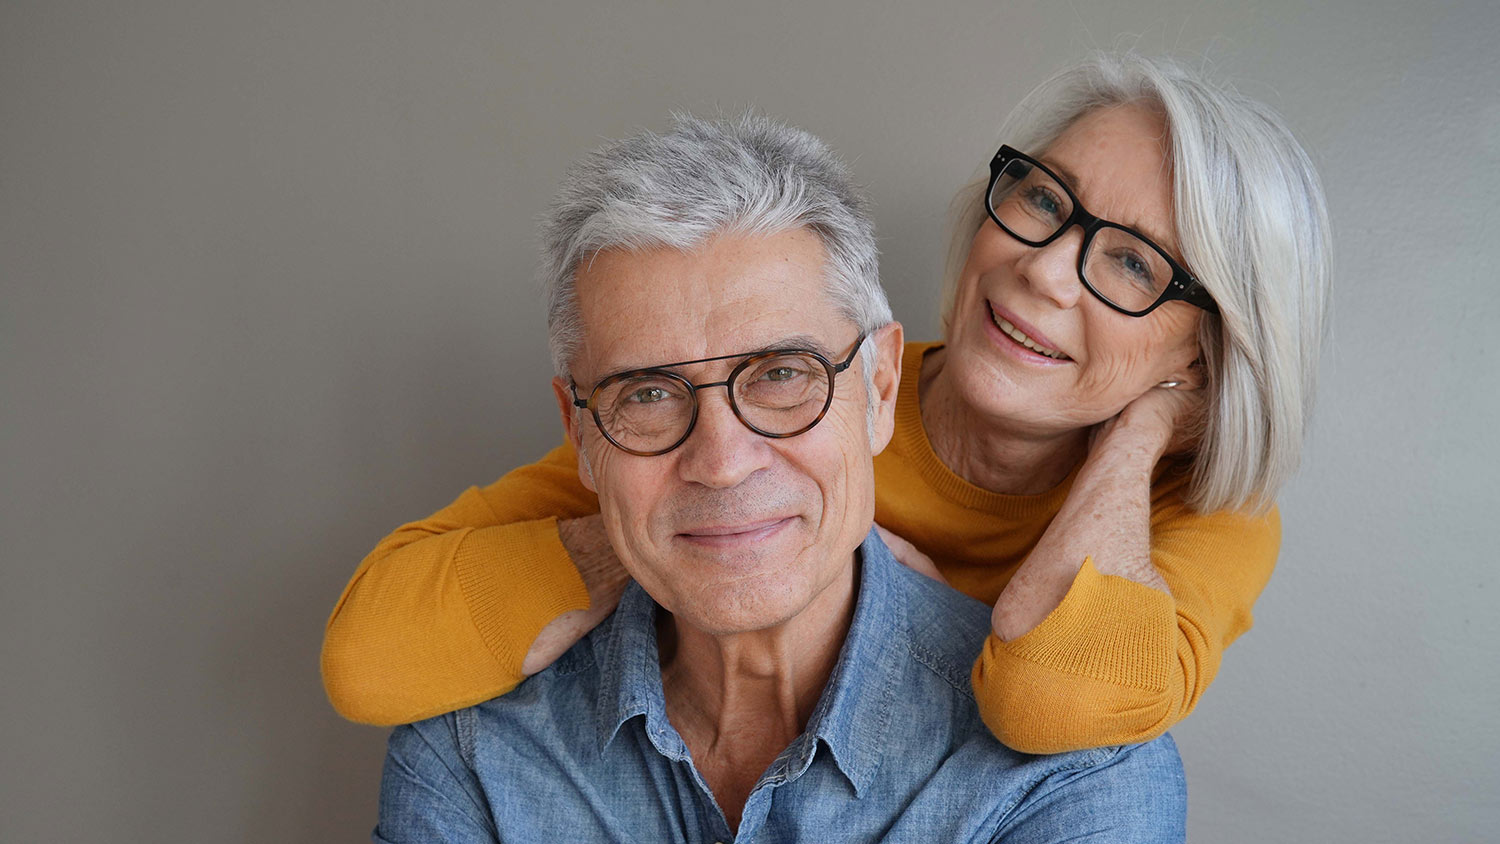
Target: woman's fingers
907 555
1168 418
1174 414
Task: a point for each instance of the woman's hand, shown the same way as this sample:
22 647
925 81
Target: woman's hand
1106 517
907 555
588 546
1164 420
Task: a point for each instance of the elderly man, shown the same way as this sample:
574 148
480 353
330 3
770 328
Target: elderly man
727 369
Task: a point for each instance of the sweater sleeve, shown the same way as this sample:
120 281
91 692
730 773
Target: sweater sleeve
1118 662
440 615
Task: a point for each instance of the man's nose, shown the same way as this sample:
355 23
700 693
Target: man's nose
1052 270
721 452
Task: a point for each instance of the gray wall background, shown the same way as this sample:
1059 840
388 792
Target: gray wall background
265 283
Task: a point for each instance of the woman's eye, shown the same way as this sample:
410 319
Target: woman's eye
1044 201
1136 267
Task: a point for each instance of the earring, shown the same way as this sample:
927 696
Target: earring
1167 385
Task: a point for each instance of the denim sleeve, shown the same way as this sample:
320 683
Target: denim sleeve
1138 796
428 792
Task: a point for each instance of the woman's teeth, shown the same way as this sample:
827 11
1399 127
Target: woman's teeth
1020 337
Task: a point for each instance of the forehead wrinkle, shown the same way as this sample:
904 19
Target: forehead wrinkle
1166 240
791 342
738 326
1087 194
730 296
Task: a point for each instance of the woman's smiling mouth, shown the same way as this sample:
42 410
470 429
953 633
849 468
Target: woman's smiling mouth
1010 330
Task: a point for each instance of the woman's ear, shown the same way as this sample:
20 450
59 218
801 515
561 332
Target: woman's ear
1183 359
1190 377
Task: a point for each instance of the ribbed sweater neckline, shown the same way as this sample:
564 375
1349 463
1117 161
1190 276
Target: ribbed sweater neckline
912 441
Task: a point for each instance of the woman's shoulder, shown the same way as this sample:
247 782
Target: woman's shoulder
1251 535
1170 485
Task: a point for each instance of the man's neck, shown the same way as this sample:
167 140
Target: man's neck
738 700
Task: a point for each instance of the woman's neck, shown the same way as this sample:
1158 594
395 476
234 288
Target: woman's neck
985 450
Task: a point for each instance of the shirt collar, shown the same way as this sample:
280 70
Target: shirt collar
625 651
852 714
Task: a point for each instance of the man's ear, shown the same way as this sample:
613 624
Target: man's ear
570 416
888 342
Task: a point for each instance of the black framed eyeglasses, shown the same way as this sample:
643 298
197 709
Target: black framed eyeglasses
779 393
1118 264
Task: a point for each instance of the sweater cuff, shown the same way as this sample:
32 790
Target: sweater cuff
1107 628
517 579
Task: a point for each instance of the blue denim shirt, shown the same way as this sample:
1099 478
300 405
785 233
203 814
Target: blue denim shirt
894 751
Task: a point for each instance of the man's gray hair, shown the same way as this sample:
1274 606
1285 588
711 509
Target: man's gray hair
1252 223
746 176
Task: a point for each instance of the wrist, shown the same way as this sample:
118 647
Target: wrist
1141 447
588 546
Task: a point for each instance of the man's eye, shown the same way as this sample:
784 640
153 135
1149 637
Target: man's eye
647 395
781 373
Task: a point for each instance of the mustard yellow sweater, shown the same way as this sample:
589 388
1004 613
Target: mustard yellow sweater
441 613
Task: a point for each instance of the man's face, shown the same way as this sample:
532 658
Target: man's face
732 531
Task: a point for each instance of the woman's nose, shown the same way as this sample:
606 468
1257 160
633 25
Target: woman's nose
1052 270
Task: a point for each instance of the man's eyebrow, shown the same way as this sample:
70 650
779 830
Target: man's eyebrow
794 342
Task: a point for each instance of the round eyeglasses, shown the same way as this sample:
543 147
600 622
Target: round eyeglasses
778 394
1119 265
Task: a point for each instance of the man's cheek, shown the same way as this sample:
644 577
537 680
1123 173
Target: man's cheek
615 511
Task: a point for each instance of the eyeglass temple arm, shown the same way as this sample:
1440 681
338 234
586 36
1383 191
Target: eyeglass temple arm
578 402
1197 294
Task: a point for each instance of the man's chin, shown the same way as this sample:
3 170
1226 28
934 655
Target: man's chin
733 614
751 592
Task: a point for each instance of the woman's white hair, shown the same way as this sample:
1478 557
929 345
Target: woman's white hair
1252 224
747 176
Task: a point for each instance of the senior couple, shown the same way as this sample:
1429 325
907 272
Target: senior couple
682 626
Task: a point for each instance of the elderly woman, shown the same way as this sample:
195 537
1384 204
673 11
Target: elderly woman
1132 320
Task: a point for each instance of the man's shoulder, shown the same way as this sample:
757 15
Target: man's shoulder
553 705
945 628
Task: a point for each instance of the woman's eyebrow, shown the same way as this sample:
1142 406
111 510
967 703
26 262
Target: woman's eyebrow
1062 170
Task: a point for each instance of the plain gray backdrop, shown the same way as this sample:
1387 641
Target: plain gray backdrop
266 293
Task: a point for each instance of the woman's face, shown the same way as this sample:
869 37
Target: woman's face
1093 360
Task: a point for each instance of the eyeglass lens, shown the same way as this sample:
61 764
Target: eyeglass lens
1121 267
777 395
